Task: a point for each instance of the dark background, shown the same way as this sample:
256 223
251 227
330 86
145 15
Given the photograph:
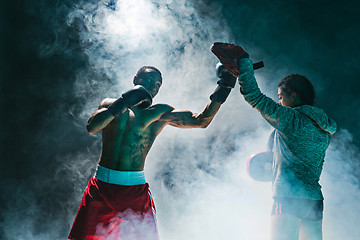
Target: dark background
40 114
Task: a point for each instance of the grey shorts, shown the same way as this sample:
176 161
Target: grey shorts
307 209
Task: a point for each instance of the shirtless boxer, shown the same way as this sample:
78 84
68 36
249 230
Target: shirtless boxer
117 203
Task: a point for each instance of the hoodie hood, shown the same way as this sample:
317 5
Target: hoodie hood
319 117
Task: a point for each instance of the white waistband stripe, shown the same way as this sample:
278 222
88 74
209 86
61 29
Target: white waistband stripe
120 177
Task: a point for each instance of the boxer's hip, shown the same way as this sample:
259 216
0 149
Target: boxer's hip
127 178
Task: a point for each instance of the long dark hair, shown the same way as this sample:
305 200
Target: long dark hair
300 85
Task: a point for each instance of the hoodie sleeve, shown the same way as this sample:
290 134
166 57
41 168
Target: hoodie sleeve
278 116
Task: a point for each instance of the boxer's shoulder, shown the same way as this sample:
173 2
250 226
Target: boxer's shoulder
153 113
106 102
161 108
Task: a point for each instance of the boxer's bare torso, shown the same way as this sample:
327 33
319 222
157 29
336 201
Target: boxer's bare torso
128 139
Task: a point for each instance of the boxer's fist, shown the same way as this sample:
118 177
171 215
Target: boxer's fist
227 80
220 69
226 83
138 96
229 55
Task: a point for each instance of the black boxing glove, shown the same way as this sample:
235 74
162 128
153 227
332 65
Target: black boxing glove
226 83
227 80
138 96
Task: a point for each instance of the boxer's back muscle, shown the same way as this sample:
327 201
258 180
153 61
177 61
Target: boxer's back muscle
128 139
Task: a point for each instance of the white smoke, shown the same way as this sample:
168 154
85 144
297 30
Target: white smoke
341 189
129 225
197 177
169 35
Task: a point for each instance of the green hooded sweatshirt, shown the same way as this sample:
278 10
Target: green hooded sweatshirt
299 143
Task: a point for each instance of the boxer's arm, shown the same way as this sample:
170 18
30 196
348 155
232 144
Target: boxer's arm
187 119
225 84
110 108
101 118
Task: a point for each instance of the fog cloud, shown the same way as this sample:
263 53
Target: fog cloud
197 176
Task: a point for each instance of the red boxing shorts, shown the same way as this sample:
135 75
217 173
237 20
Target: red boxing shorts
109 210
